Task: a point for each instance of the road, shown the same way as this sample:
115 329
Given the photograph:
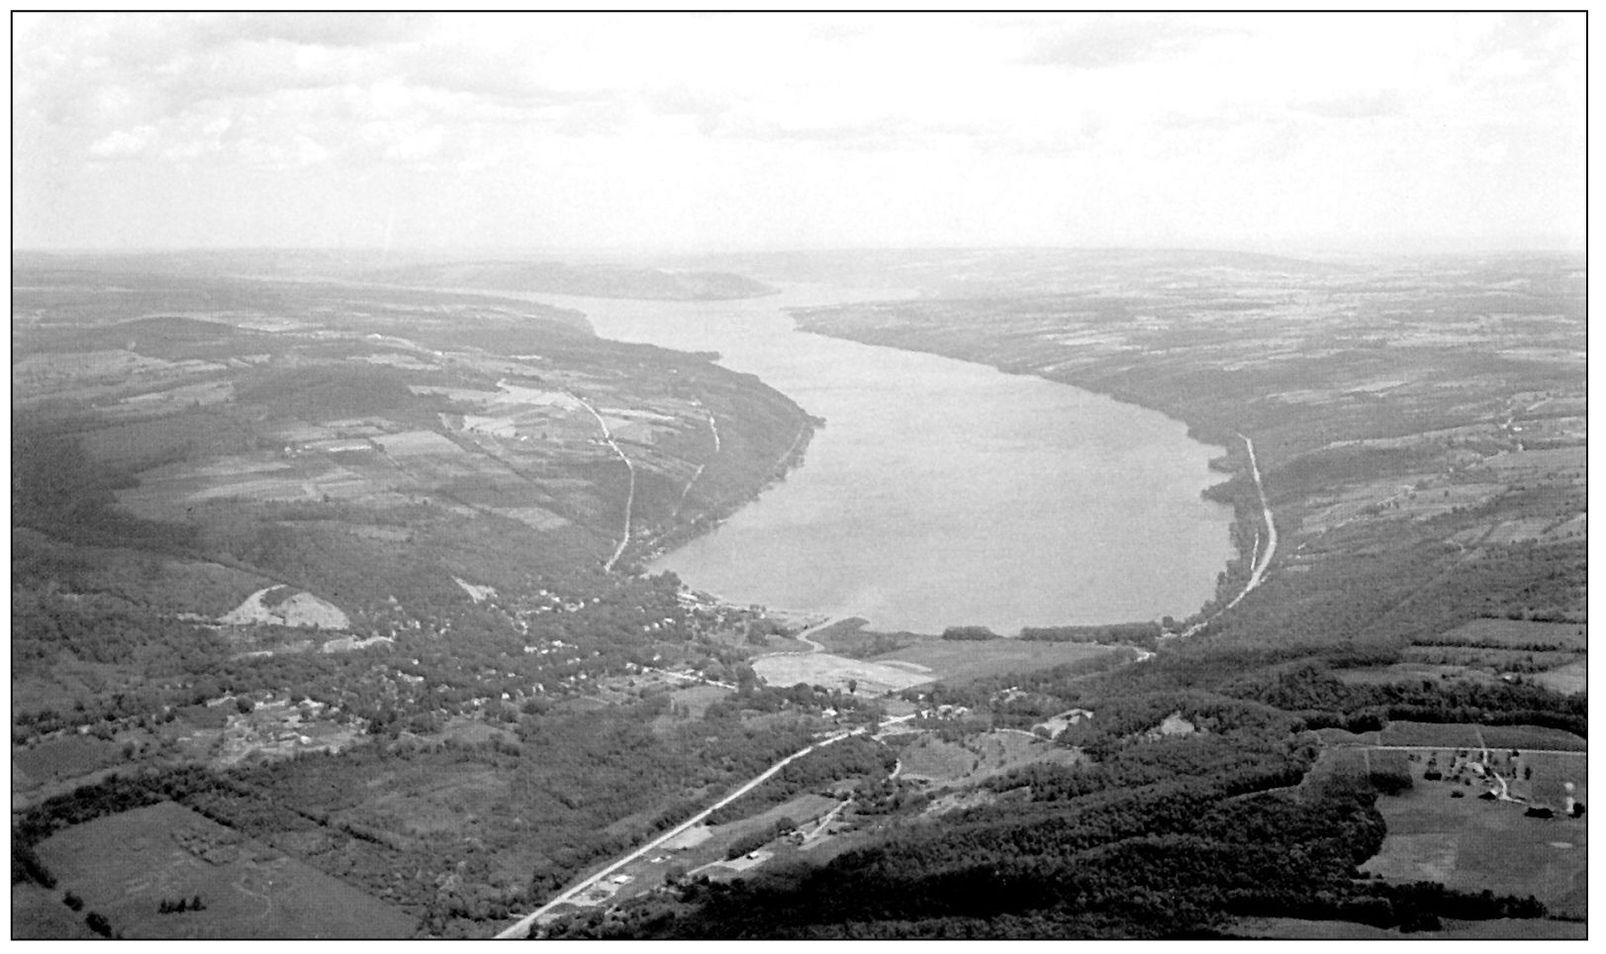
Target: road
713 427
803 636
630 498
1264 560
521 928
820 828
1451 748
1262 557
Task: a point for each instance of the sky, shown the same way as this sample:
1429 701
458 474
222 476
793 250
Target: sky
731 132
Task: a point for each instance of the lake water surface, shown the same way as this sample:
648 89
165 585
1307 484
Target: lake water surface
940 492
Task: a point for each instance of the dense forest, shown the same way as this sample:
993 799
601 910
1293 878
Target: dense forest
1115 849
1198 760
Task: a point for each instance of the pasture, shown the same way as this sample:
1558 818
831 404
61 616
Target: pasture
978 757
63 757
1443 734
1523 737
1471 659
1465 735
834 672
1516 634
1567 680
801 809
1412 672
955 660
1551 772
1471 844
124 866
1299 929
935 760
38 914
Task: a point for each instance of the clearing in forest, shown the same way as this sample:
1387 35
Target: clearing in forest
125 865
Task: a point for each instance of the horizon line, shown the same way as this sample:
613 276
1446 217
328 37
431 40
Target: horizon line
1547 245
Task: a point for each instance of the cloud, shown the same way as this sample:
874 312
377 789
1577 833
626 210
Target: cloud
505 75
332 29
561 116
890 132
123 143
1367 105
1120 40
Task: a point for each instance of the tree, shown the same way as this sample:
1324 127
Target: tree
853 686
97 922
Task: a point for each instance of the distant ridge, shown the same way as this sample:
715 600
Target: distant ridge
596 281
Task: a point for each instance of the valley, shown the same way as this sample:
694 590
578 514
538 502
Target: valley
350 579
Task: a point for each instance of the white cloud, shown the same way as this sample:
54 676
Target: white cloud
936 128
123 143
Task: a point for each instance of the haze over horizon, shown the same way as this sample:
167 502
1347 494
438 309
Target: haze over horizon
733 132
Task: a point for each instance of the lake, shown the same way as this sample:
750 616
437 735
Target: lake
940 492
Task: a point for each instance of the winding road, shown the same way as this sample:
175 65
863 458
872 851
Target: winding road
630 498
1263 555
803 636
713 427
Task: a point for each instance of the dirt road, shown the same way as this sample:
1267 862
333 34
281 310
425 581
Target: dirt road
630 498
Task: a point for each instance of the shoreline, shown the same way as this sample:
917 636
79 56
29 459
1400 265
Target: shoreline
1243 529
1242 525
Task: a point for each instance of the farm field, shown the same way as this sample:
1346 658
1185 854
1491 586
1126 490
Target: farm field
1531 737
955 660
1515 633
1411 672
125 865
834 672
1299 929
1472 844
1488 662
1569 679
65 757
966 763
40 914
1469 736
1448 734
935 760
1484 650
